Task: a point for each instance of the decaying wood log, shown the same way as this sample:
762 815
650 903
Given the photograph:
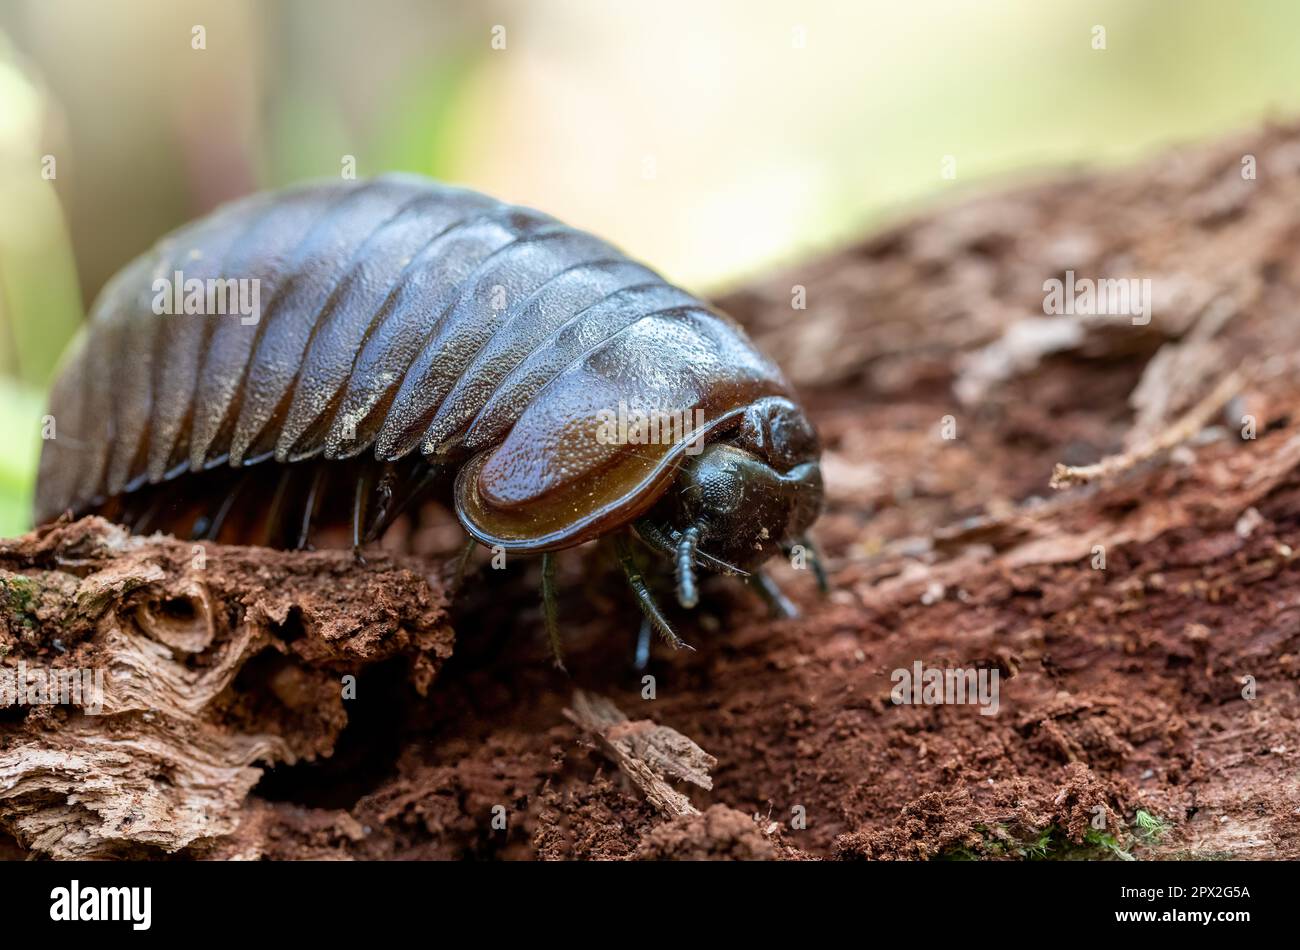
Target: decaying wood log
164 757
1145 626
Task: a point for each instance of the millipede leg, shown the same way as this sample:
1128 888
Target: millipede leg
360 497
380 503
274 531
129 511
406 490
777 602
207 529
643 596
549 611
652 536
462 562
141 522
309 508
128 514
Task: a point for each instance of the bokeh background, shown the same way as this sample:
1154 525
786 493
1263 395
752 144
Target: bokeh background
711 139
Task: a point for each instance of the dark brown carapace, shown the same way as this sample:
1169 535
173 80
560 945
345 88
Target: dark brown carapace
341 351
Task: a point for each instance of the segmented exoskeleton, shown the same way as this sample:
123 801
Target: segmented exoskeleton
411 338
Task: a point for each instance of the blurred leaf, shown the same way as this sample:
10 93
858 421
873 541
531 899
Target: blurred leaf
422 128
308 139
40 305
20 420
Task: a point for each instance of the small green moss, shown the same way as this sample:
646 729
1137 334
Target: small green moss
1053 844
18 592
1150 829
1107 844
19 597
1039 849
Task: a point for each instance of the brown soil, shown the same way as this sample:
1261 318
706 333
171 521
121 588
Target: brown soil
1147 708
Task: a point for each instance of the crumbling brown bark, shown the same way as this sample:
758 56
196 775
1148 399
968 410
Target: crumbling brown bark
214 659
1144 625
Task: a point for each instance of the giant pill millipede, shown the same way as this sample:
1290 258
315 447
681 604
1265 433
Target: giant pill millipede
414 341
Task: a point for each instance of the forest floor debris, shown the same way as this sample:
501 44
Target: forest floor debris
1145 629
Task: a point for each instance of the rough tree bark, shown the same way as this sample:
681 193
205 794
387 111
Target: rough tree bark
1145 623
